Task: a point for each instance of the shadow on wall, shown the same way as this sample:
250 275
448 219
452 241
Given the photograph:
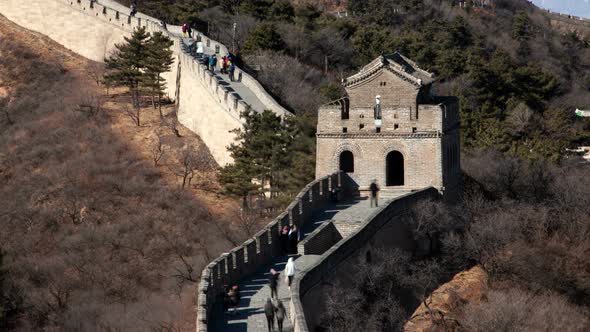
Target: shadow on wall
384 229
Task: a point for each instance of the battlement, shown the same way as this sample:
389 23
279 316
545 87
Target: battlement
378 229
261 250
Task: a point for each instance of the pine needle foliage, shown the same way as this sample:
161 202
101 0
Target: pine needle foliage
138 64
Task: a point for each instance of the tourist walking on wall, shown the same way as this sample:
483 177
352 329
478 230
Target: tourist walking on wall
290 271
280 312
293 240
183 28
269 312
232 69
206 60
189 31
284 240
212 63
224 64
234 297
374 192
273 283
133 8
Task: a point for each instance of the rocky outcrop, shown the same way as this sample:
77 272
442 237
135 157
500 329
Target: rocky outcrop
446 302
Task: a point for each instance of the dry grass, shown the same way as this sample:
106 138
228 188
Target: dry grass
95 236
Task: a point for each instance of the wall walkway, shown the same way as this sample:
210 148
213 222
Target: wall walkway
209 104
380 227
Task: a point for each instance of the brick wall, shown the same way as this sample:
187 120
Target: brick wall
376 230
259 251
320 240
394 91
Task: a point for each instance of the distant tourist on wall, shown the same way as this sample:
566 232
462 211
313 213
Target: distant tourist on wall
273 283
374 192
189 31
133 8
290 271
212 62
184 28
284 240
269 312
234 297
294 237
280 312
206 60
223 64
232 69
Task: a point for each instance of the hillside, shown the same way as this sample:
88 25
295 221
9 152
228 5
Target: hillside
518 78
93 233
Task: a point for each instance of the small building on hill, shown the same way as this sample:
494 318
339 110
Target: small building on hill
391 128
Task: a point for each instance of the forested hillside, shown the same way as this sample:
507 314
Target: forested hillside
97 231
518 79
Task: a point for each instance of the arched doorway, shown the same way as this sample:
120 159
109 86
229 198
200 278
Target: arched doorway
394 169
347 162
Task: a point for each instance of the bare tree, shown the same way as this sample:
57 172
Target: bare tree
96 72
157 148
247 221
187 163
133 113
4 103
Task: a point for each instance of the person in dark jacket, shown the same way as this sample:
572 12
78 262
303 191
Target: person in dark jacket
374 191
269 312
273 283
284 240
293 240
232 69
234 297
280 312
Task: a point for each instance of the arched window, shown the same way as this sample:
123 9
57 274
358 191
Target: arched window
394 169
368 257
347 162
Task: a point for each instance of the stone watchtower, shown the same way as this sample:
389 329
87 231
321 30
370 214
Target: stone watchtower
391 128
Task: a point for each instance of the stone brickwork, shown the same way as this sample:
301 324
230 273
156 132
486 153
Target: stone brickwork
381 229
320 240
423 128
207 105
259 251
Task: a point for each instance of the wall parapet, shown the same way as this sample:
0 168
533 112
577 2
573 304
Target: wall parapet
330 260
320 240
258 251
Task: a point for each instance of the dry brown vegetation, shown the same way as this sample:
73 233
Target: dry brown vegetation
97 232
525 222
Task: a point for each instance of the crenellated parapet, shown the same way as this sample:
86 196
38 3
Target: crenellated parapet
207 104
260 250
380 229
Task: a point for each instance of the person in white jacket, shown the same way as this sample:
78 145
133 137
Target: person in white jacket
290 271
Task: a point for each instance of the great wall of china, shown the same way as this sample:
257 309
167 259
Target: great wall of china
211 107
208 104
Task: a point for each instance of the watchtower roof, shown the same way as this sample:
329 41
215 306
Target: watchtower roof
398 64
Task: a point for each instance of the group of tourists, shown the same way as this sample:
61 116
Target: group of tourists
187 30
274 308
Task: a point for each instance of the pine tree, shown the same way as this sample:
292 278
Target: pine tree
260 155
126 66
159 60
